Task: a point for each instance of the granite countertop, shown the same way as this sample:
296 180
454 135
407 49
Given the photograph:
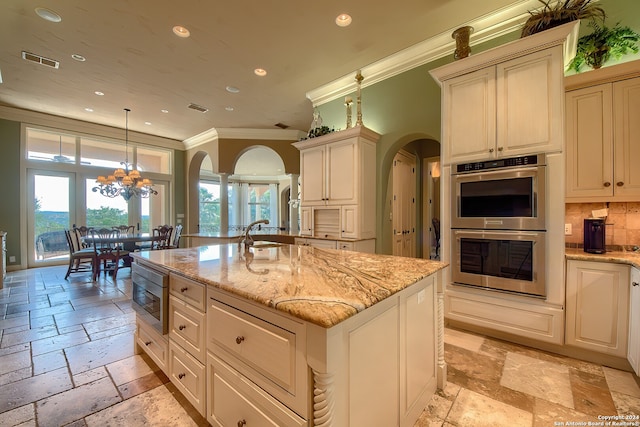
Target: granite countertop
621 257
262 235
321 286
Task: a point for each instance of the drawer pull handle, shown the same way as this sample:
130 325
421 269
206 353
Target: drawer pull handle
185 289
239 339
181 376
182 327
148 343
242 423
635 283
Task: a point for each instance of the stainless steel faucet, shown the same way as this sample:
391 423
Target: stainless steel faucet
247 239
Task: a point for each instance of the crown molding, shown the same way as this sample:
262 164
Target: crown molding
495 24
215 134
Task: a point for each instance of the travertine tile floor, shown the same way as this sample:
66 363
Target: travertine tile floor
67 358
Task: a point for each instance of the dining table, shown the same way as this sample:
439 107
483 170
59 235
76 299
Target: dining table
129 242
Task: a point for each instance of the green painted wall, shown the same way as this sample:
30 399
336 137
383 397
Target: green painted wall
406 107
180 177
9 174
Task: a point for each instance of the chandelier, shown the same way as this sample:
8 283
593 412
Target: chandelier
125 182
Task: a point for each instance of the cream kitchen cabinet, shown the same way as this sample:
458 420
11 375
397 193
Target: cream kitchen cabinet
337 184
504 101
602 142
339 222
597 306
187 340
633 354
367 245
504 110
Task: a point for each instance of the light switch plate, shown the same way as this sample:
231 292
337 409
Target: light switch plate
567 229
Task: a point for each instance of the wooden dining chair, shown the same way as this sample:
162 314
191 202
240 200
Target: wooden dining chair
81 232
175 240
108 251
161 237
81 260
125 230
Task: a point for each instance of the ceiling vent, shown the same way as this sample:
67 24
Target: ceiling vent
281 125
198 108
40 60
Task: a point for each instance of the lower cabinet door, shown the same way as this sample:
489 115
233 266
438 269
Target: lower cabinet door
188 375
152 343
233 400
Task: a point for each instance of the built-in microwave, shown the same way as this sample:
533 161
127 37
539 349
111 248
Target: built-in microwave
507 194
512 261
150 298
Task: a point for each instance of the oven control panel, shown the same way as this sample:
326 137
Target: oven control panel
511 162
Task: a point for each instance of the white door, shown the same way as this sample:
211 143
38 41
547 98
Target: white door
404 205
50 201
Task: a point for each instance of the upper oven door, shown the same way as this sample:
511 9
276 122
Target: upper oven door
506 199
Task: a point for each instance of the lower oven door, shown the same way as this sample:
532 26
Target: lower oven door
511 261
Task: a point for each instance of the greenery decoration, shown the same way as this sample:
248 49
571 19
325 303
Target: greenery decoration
558 13
596 48
318 131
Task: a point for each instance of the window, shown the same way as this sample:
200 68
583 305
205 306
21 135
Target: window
209 207
249 202
50 147
259 202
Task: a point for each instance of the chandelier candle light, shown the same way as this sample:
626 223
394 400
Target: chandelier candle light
347 102
125 182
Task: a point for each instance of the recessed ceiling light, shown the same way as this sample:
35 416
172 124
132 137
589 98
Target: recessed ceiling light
181 31
343 20
232 89
164 111
78 58
99 93
260 72
228 108
48 14
147 123
88 110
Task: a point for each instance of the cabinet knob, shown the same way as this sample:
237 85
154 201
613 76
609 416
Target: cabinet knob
242 423
491 150
500 148
607 184
619 183
185 289
148 343
181 327
181 376
239 339
635 283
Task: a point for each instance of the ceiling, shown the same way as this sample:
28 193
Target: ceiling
134 58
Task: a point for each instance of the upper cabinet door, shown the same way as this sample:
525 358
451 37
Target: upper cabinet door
626 116
589 142
530 113
469 116
342 172
312 176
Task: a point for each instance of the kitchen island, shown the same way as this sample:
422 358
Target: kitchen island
300 335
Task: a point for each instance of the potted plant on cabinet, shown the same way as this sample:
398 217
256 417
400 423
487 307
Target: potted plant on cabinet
558 13
596 48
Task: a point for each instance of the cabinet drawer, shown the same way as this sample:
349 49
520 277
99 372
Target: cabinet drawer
265 347
233 399
154 344
188 291
346 246
187 327
188 375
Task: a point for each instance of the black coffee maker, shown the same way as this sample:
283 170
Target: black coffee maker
594 235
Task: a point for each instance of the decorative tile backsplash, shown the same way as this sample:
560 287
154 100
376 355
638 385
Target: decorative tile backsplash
622 225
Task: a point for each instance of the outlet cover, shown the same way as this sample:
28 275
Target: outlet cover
567 229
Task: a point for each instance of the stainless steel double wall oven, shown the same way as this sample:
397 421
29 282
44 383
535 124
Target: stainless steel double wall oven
498 224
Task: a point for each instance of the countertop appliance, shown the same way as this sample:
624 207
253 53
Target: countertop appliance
594 235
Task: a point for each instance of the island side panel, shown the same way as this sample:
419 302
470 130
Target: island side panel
389 347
